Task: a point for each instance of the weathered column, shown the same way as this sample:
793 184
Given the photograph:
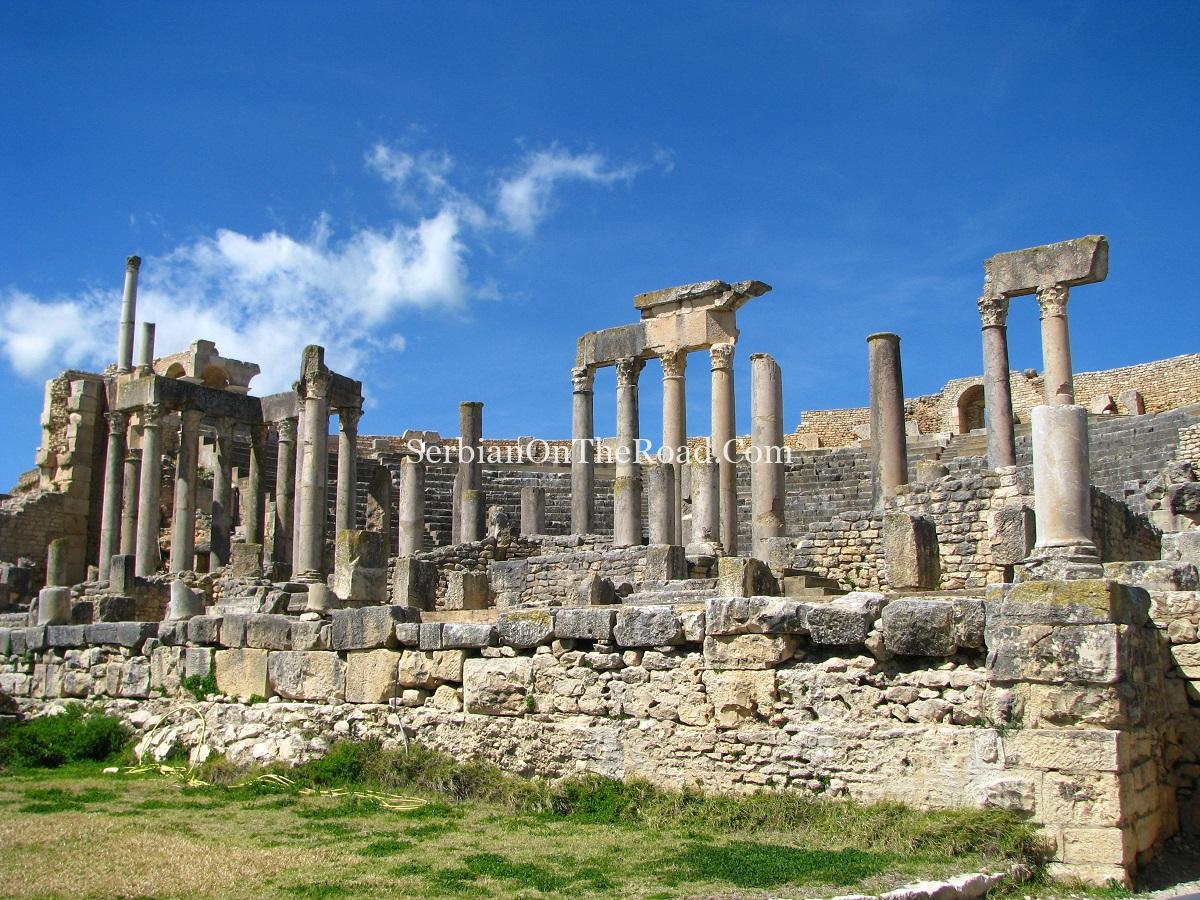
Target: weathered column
889 447
310 549
1056 344
285 491
128 315
183 518
145 357
411 537
298 486
997 393
255 485
131 480
627 486
110 511
149 491
706 519
57 553
674 432
222 495
1062 495
533 510
766 452
724 442
470 471
660 481
345 504
583 452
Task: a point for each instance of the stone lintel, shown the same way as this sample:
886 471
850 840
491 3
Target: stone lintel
702 294
174 394
1080 261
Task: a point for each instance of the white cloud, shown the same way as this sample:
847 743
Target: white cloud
526 197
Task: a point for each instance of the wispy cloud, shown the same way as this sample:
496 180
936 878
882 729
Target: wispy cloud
526 197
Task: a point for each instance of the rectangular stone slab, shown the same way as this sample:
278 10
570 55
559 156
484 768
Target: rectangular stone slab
1080 261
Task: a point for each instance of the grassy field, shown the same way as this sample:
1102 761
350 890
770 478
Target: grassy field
73 830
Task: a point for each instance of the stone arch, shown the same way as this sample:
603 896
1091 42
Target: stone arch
968 413
215 377
175 370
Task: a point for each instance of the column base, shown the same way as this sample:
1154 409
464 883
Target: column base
1061 562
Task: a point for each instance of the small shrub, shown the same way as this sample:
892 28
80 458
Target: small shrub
48 742
200 686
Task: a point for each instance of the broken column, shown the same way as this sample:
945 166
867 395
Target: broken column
221 529
766 452
57 562
582 452
149 491
131 480
411 537
706 523
674 432
724 442
128 315
471 510
997 392
533 510
660 485
627 486
183 517
313 387
145 359
285 491
347 469
110 510
255 504
889 448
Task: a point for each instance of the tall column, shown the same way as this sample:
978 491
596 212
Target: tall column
706 514
128 315
889 446
766 452
674 431
347 469
131 480
110 512
470 471
222 495
997 393
149 491
255 483
285 491
145 357
583 452
1062 496
411 537
1056 344
660 483
183 519
724 442
310 550
298 487
627 487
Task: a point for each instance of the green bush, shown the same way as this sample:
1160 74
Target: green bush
75 736
200 686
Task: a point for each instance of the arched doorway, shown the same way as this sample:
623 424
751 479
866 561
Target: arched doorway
970 409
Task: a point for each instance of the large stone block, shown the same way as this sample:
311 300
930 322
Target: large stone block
1086 601
197 661
1051 654
665 562
204 630
61 636
371 675
744 576
594 590
844 621
910 551
242 672
755 615
585 624
470 635
310 635
414 582
747 651
1011 529
266 632
740 698
307 675
919 627
1066 750
1080 261
368 627
415 669
647 626
497 687
1155 575
467 590
166 669
1182 546
245 560
446 666
525 628
129 678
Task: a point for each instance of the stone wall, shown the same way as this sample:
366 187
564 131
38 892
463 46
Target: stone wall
552 579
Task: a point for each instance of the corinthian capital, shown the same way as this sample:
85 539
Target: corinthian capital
993 310
674 362
721 355
1052 298
286 429
314 386
152 415
348 417
133 263
628 370
118 421
582 378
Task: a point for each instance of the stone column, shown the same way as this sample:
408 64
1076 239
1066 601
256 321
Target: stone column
660 480
889 446
310 546
706 519
298 485
183 519
1062 496
149 491
346 503
1056 345
724 440
131 480
110 511
997 392
627 486
57 553
285 491
128 315
222 495
470 471
255 485
674 432
145 358
583 452
533 510
411 537
766 452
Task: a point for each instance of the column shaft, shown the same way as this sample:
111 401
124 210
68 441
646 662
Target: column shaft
706 519
470 472
1056 345
222 495
724 442
660 480
183 517
298 488
149 492
411 536
285 491
533 510
345 511
766 453
255 507
627 486
583 452
128 315
314 478
889 446
997 392
110 511
674 439
131 481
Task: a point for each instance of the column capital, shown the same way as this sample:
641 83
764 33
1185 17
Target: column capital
721 356
153 414
286 429
992 310
348 417
674 362
133 454
1052 298
258 433
314 385
133 263
582 379
629 368
118 421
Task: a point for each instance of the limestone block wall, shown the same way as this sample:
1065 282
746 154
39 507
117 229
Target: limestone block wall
551 579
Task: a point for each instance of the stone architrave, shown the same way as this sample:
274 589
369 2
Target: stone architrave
627 486
997 391
766 453
724 442
889 448
183 517
149 490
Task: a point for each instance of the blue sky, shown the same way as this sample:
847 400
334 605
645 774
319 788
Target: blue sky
447 195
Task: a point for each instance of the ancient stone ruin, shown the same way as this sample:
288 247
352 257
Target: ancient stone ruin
984 597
